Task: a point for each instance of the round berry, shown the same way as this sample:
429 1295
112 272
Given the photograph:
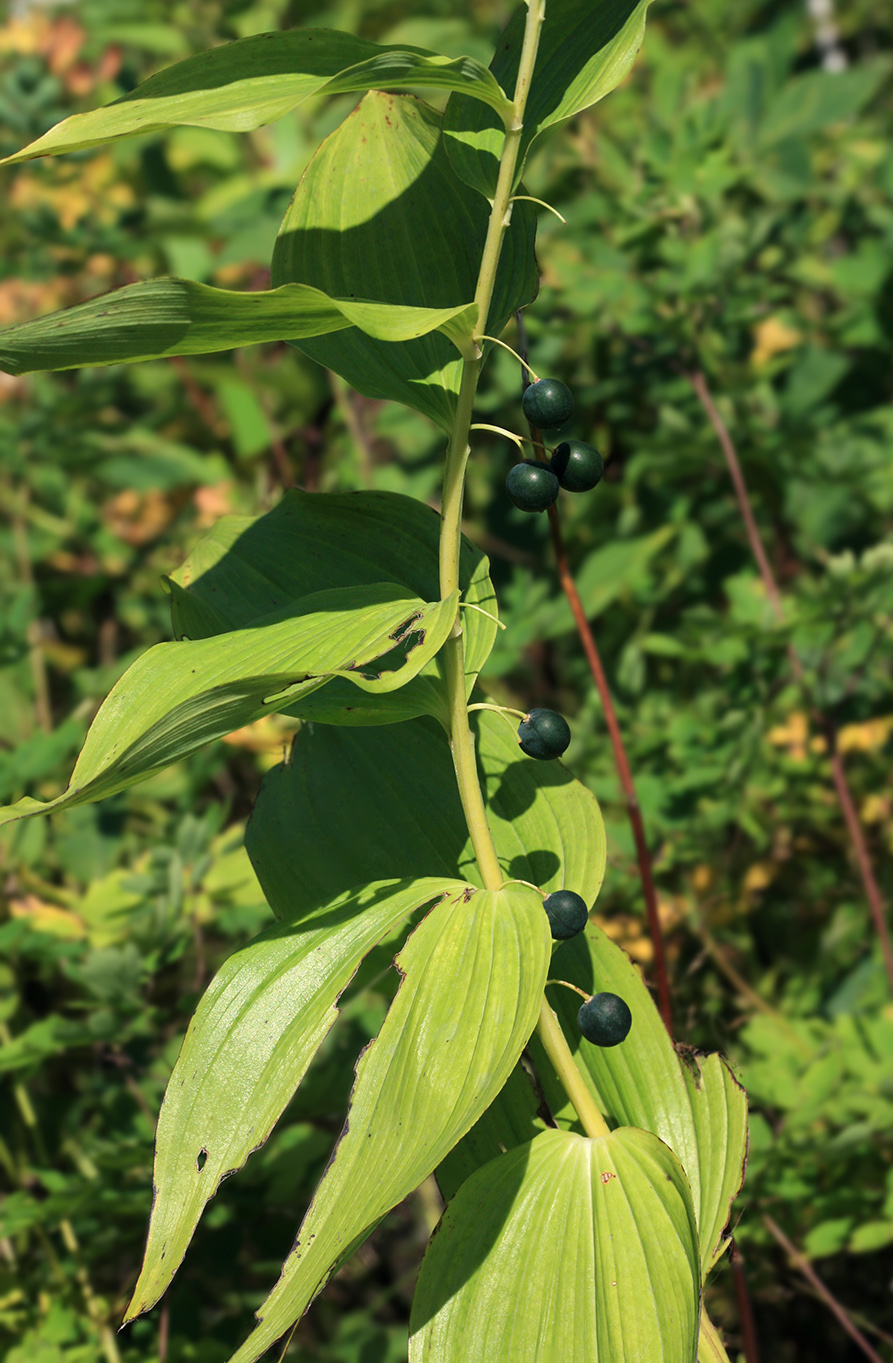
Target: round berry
532 486
579 466
567 914
605 1020
544 734
548 404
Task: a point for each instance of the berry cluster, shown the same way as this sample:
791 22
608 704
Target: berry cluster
575 466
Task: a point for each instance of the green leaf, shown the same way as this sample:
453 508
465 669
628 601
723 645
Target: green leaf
586 48
380 214
695 1104
246 567
510 1120
248 1047
179 696
243 85
473 974
180 317
395 789
564 1248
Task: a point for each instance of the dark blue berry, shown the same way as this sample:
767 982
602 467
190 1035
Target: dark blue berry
548 404
579 466
544 734
605 1020
567 914
532 486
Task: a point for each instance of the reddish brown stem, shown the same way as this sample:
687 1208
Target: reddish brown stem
803 1265
622 762
745 1312
841 786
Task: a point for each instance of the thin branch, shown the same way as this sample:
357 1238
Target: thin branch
745 1311
841 786
620 757
802 1264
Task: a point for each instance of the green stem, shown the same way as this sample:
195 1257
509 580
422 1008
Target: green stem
554 1043
461 738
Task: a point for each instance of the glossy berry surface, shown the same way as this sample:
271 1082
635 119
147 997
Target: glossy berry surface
579 466
532 486
567 914
544 734
548 404
605 1020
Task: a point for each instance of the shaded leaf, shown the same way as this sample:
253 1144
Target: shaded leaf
380 214
564 1248
511 1119
586 48
395 790
243 85
258 1026
179 696
245 567
473 974
695 1105
180 317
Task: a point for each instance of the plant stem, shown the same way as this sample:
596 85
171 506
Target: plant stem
844 795
461 739
554 1043
745 1311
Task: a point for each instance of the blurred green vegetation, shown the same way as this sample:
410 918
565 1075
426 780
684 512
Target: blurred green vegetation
729 211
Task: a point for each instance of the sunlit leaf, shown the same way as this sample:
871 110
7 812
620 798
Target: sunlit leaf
586 48
180 317
254 1033
242 85
395 789
692 1102
245 567
380 214
179 696
473 974
564 1248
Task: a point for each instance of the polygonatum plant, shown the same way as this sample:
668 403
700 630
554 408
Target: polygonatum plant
588 1186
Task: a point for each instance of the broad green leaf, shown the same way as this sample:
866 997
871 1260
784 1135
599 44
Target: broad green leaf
248 1047
395 789
511 1119
179 696
564 1248
692 1102
245 567
180 317
586 48
379 214
242 85
473 974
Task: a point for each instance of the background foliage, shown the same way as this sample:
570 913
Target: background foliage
729 210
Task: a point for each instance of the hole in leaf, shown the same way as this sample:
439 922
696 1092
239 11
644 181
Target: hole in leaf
201 1160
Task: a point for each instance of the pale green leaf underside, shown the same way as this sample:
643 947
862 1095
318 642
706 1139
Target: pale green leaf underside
179 696
181 317
395 789
586 48
244 567
253 1035
242 85
564 1249
697 1107
380 214
473 974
